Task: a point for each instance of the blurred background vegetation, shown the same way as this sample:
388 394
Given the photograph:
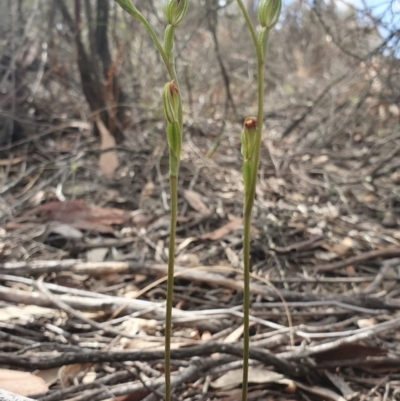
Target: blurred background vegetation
80 76
65 60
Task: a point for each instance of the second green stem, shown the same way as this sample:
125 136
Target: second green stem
170 283
247 213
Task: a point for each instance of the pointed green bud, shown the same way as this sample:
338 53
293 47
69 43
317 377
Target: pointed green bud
249 134
171 102
128 7
175 11
269 12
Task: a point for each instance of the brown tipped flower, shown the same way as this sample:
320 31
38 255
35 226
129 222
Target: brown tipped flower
171 101
249 134
269 12
175 11
250 122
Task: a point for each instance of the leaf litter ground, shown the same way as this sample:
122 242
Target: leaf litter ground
83 268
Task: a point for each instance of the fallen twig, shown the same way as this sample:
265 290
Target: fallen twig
391 252
292 369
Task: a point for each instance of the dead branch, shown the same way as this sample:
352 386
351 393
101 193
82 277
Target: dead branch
392 252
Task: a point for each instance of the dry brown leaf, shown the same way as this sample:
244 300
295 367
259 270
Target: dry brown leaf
340 249
327 256
80 215
349 351
320 160
21 383
341 385
146 193
370 198
142 344
235 335
195 201
89 378
188 260
139 343
233 257
97 254
133 326
65 230
276 184
322 393
224 230
50 376
24 312
206 336
66 374
108 161
136 396
140 218
348 242
389 220
363 323
256 375
12 162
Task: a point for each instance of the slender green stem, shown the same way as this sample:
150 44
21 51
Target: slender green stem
174 170
251 28
247 213
250 194
166 53
260 119
246 300
170 284
153 35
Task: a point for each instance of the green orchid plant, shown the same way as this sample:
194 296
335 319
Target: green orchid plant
175 11
268 15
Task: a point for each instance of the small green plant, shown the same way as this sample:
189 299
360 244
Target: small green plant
268 15
175 11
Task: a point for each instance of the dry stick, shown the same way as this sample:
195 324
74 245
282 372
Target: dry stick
205 314
289 368
76 313
230 269
197 369
366 333
101 268
190 317
370 361
60 394
108 304
125 304
390 252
